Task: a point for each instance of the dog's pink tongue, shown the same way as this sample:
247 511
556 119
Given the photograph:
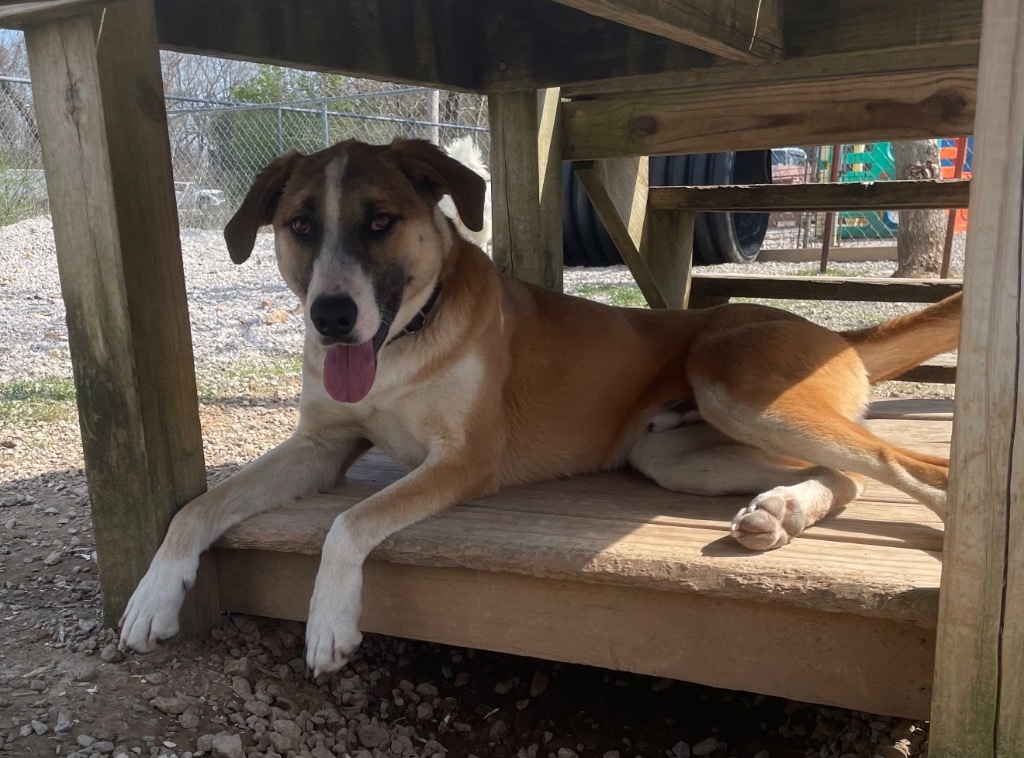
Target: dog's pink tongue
349 371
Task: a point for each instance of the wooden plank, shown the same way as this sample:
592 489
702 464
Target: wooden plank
548 241
815 28
795 71
878 558
905 194
909 105
618 191
934 372
121 276
868 289
531 44
749 31
911 408
18 15
680 635
979 676
523 172
392 40
667 248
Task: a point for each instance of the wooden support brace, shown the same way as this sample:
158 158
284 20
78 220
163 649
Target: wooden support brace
667 248
749 31
526 185
99 99
979 667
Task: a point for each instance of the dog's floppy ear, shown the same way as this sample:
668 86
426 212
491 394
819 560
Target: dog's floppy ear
426 165
258 207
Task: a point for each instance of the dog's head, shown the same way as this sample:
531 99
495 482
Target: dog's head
359 239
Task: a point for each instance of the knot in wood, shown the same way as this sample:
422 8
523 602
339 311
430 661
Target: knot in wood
643 126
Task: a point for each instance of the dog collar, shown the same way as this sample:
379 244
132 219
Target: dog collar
418 321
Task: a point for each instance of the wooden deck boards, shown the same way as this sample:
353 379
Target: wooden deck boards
614 550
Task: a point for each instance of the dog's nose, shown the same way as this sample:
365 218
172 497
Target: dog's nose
334 315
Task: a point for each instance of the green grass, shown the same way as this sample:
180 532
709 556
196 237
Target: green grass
53 399
842 271
37 401
623 295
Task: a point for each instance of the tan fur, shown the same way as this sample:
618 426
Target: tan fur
508 383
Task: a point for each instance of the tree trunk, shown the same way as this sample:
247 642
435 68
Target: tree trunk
922 233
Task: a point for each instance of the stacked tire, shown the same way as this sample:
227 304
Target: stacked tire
718 237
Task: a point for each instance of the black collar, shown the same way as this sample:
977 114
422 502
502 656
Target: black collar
418 321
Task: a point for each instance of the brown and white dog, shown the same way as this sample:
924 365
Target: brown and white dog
475 381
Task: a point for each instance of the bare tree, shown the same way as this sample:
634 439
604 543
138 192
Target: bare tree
921 233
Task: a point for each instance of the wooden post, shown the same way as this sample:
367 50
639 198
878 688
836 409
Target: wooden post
667 247
526 185
103 128
978 696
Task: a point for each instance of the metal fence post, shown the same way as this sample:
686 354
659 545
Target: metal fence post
280 130
323 121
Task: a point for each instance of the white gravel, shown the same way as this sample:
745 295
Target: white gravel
245 314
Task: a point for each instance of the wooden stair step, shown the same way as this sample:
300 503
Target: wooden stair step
868 289
904 194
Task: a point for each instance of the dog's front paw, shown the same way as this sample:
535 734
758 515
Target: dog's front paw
771 520
332 632
152 612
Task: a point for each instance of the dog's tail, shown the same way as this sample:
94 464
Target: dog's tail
889 349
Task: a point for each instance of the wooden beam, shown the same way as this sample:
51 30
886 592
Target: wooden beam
749 31
851 196
618 191
911 105
19 15
526 187
667 248
623 628
838 27
796 71
101 118
530 44
824 288
420 43
979 675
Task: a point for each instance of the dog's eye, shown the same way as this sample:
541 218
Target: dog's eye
381 222
301 225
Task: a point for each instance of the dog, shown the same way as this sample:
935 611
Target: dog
475 381
466 151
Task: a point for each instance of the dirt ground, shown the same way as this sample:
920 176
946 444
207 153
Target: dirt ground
243 691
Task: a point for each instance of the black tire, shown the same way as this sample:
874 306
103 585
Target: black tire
718 237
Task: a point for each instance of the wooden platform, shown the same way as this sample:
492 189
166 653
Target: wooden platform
611 570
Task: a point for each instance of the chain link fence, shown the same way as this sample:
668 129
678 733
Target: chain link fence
244 116
867 162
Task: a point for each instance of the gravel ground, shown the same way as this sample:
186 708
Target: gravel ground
243 693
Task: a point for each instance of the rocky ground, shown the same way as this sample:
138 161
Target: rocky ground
66 691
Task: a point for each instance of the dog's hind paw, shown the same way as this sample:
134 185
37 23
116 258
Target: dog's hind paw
152 611
771 520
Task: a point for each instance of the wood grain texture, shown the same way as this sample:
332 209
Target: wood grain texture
121 275
749 31
836 27
618 191
825 288
530 44
894 195
795 71
524 202
765 647
18 15
392 40
914 105
880 558
667 248
979 677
